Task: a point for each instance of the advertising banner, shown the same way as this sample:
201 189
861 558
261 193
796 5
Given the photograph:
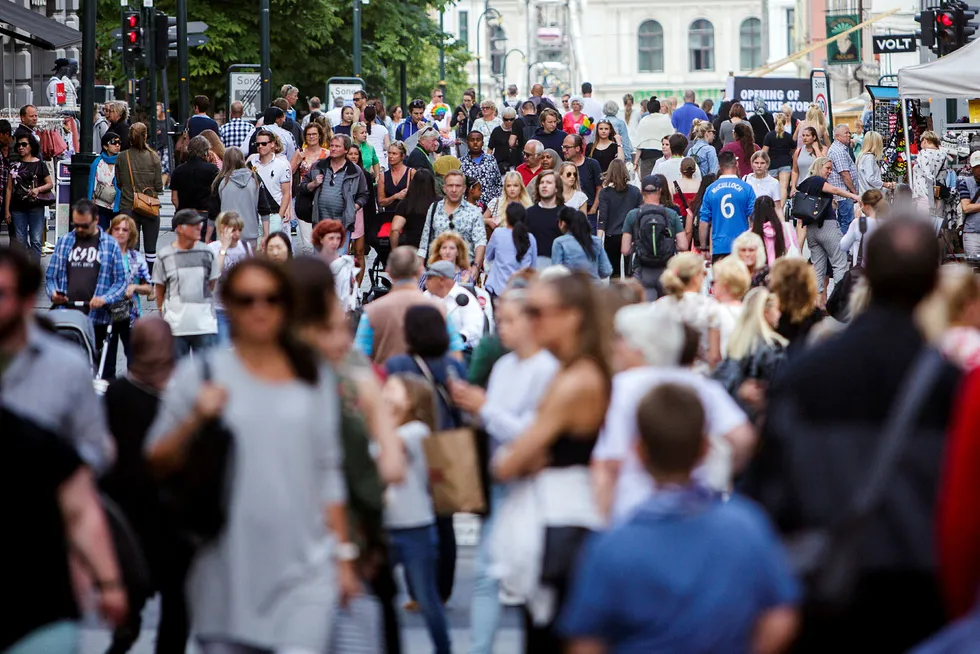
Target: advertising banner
847 49
776 91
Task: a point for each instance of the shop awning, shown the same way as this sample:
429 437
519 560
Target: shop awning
40 30
952 76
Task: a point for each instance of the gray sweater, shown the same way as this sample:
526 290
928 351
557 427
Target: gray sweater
240 193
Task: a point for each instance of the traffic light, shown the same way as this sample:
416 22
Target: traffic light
946 30
132 36
161 38
927 28
141 95
966 25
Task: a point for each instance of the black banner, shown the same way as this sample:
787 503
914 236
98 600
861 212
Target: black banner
776 91
894 43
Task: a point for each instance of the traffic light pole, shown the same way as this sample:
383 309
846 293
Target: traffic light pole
183 68
265 59
149 38
357 38
81 162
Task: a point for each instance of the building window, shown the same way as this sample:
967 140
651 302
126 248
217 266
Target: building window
702 39
750 43
464 28
790 31
650 47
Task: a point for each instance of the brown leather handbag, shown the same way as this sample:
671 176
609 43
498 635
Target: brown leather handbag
145 203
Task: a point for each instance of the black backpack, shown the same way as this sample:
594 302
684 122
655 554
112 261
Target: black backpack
654 244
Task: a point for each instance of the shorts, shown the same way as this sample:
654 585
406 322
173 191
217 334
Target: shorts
774 172
358 225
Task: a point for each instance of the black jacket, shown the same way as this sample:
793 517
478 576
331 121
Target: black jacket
463 127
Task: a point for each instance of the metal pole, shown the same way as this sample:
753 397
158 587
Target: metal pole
442 54
151 63
265 58
183 66
403 80
908 147
357 38
166 115
81 163
479 62
530 52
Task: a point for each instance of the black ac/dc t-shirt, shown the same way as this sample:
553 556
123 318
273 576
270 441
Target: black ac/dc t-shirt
33 465
83 268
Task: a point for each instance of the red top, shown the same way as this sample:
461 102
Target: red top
959 499
526 173
744 160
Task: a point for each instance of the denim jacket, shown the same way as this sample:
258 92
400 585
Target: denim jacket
569 253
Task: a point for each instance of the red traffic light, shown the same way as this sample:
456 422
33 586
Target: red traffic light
132 20
132 37
945 19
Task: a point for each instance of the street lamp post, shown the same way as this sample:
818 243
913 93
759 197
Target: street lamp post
523 59
357 38
265 57
489 11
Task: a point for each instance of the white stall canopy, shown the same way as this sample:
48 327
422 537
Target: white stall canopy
952 76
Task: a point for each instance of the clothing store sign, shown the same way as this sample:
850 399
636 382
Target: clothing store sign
894 43
776 91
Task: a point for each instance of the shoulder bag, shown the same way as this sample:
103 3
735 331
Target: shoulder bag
808 208
197 494
838 303
454 461
828 559
145 204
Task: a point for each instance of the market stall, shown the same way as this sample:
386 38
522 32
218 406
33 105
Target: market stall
952 76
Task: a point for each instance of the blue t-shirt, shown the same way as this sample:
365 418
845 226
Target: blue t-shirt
691 581
727 206
685 115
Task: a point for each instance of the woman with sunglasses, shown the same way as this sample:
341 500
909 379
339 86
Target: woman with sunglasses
103 189
28 180
505 142
568 320
574 195
274 574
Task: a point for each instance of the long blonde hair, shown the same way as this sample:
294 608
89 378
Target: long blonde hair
872 145
958 286
814 115
502 201
681 270
780 126
752 330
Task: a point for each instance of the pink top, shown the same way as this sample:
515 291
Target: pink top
961 345
744 160
789 238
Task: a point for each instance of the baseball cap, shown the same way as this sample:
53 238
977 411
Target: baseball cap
187 217
650 184
444 269
975 159
59 62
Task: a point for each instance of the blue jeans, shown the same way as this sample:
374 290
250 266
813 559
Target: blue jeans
845 213
415 549
55 638
485 607
29 227
224 328
198 343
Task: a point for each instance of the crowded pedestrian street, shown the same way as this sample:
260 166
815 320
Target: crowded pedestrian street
665 340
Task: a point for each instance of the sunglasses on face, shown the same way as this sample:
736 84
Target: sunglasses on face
23 144
113 142
246 300
508 120
568 147
262 144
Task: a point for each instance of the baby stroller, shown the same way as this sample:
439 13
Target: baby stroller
381 242
76 327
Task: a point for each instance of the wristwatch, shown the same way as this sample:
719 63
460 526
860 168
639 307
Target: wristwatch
346 552
223 252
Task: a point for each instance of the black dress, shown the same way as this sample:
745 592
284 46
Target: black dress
414 224
391 189
605 157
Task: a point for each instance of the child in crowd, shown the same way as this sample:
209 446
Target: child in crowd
409 516
664 580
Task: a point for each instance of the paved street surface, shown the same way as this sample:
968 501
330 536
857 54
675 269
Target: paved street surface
96 637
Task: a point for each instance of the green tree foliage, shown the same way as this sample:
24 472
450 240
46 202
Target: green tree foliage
311 41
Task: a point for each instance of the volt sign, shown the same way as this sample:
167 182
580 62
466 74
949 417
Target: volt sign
894 43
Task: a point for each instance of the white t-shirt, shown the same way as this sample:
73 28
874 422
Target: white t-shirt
619 434
768 185
577 200
273 174
724 320
671 169
408 505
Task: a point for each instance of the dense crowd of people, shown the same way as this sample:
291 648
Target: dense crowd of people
708 389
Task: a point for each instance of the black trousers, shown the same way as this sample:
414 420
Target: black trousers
446 570
613 245
120 333
386 591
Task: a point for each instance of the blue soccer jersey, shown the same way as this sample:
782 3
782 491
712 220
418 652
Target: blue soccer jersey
727 207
